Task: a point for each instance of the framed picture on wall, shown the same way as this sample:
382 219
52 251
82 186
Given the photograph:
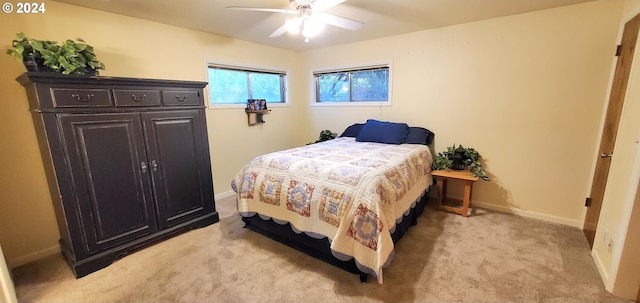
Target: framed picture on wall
256 104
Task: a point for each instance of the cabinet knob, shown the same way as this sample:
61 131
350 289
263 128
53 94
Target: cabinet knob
143 167
154 165
79 98
136 99
182 99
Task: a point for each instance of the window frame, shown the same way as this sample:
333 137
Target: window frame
350 69
284 88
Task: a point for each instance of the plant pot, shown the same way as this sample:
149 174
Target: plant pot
35 64
91 72
458 158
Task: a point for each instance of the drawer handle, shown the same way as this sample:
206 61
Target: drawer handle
77 97
135 99
182 99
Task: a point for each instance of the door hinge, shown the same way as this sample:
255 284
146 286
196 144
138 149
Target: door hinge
587 202
618 50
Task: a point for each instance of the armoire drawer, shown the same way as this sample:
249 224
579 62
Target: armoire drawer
125 97
181 97
71 97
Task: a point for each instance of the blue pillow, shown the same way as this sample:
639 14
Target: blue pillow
419 135
353 130
383 132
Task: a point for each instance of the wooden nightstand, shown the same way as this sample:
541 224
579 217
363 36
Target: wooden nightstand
453 205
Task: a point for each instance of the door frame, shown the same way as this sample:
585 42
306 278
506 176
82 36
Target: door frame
7 289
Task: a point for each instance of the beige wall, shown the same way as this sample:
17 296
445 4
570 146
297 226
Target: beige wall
131 48
526 91
619 218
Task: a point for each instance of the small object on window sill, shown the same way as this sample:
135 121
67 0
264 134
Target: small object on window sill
255 116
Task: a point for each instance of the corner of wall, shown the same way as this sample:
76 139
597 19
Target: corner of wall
34 256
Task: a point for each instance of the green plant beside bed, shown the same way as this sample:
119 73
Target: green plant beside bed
71 57
471 160
324 136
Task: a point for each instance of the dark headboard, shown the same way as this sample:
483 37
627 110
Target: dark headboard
381 131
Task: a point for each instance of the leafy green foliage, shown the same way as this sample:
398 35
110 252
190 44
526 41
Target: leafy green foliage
370 85
471 159
71 57
230 86
325 135
442 162
334 87
364 85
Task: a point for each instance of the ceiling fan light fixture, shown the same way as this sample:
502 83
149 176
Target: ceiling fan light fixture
312 26
309 18
293 25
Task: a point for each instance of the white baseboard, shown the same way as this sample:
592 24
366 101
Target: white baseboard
34 256
608 285
225 195
528 214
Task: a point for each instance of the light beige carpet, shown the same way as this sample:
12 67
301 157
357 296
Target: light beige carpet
489 257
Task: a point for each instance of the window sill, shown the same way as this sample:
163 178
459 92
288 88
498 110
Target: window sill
244 106
350 104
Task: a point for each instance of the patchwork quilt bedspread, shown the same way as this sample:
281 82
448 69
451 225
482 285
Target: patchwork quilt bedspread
350 192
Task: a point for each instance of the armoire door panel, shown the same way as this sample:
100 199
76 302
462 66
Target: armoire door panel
175 150
107 159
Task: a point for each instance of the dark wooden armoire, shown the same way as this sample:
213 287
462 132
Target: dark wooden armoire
127 161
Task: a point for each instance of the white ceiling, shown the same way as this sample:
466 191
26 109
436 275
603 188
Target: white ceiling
381 17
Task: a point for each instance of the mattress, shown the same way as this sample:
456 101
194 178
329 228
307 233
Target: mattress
352 193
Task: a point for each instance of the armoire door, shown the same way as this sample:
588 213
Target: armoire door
180 168
109 170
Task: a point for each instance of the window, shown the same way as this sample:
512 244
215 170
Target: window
368 84
234 85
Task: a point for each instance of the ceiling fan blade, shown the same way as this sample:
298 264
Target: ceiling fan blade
341 21
278 32
259 9
321 5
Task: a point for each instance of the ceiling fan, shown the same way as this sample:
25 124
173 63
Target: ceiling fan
308 18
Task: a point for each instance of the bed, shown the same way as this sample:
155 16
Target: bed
346 201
